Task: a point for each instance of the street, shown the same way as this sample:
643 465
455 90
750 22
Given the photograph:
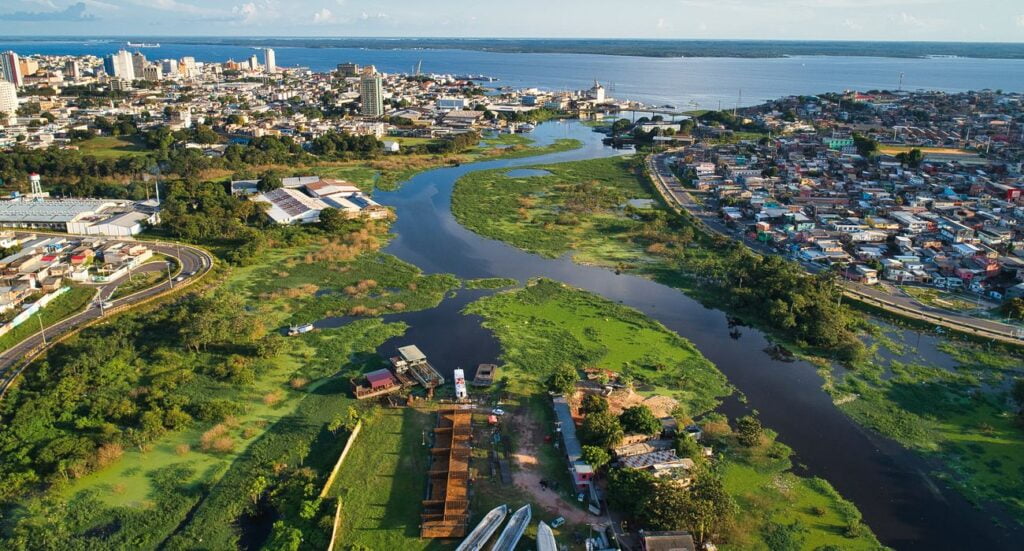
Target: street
191 260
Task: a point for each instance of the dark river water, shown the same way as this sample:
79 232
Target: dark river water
888 483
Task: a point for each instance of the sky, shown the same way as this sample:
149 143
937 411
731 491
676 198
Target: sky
941 20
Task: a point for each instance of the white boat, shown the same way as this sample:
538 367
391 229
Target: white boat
513 531
300 329
460 385
545 538
488 526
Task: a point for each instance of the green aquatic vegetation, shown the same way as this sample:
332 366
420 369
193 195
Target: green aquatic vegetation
547 325
491 283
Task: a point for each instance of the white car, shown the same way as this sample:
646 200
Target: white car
179 278
108 305
498 411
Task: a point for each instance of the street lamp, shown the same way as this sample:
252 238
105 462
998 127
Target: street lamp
42 330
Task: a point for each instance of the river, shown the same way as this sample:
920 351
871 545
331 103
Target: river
686 83
888 483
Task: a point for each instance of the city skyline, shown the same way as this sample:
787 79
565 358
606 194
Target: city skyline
891 20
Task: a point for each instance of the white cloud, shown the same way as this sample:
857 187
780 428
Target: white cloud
852 25
323 16
1020 20
662 25
379 15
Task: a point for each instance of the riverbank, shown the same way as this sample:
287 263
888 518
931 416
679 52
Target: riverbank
548 325
958 416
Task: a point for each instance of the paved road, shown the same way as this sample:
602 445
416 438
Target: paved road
192 264
671 189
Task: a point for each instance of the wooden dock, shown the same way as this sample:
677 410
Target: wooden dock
446 509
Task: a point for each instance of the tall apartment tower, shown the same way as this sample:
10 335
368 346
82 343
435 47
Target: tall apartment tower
119 65
8 98
269 60
138 64
73 69
371 92
10 68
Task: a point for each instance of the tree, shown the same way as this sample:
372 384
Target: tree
628 488
563 380
785 537
749 430
1014 308
666 507
640 420
595 457
709 507
257 487
269 180
1018 392
332 220
686 446
601 429
865 146
593 403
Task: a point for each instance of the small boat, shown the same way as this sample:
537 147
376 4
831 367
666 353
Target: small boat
488 526
526 127
299 329
513 531
460 384
545 538
143 45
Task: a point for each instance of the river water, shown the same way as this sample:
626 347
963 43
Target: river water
687 83
889 484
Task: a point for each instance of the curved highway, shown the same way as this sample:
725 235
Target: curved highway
193 263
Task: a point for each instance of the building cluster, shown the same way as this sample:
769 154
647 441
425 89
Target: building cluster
106 217
950 215
42 264
63 96
300 199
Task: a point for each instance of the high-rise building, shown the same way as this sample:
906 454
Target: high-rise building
269 60
28 66
8 98
10 68
119 65
73 69
348 69
138 64
371 92
170 66
153 73
254 63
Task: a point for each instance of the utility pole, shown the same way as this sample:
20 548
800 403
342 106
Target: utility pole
42 330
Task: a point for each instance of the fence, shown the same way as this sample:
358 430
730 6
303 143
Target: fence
330 482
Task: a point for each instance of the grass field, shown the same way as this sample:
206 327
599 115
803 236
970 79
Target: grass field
769 494
896 149
940 299
107 147
71 302
383 481
577 207
548 324
282 287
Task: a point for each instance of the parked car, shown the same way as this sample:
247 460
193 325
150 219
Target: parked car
558 522
498 411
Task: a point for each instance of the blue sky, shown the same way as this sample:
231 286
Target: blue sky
966 20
